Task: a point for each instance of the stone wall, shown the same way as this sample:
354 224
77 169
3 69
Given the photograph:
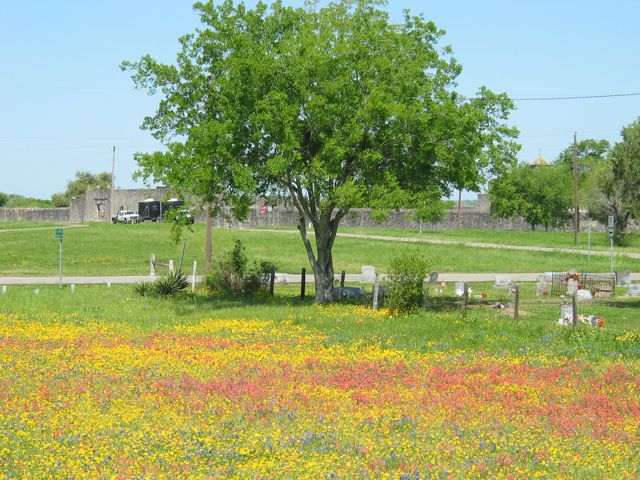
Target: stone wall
94 206
361 217
45 215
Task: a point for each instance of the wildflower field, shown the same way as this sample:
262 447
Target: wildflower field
242 396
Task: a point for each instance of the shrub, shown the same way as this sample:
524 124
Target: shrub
233 275
406 277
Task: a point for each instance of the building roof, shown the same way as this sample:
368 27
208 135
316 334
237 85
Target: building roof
539 161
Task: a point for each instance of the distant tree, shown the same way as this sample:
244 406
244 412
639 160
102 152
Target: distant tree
19 201
542 195
4 198
591 154
608 197
59 200
616 186
79 186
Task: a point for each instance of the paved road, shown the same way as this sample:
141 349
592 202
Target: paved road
281 278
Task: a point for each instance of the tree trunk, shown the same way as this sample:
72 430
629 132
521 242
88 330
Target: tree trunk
323 269
321 260
208 243
620 223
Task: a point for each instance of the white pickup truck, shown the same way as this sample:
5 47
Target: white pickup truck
126 216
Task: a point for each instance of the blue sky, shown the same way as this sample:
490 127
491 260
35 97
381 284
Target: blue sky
65 102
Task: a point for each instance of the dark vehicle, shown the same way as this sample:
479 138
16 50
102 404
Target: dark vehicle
171 204
150 210
180 214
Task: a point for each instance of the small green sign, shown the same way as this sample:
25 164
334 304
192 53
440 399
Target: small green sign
59 233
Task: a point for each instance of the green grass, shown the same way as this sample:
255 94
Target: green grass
105 249
27 225
442 329
599 240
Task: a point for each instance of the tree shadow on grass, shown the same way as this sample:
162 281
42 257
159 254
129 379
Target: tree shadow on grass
191 303
620 303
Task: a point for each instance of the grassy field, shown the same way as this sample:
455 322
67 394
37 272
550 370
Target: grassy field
101 383
125 250
23 225
540 238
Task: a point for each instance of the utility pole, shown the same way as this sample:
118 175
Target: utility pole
576 213
113 171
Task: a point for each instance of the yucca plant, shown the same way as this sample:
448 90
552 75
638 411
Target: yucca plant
170 284
144 289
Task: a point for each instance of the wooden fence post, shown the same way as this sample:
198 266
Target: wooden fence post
272 281
342 277
466 299
303 282
516 303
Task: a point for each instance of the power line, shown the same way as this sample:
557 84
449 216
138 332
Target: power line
582 97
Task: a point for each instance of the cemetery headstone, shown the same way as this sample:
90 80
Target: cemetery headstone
502 281
623 278
634 290
583 294
566 314
368 274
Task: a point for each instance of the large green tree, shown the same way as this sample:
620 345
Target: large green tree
615 186
322 106
540 195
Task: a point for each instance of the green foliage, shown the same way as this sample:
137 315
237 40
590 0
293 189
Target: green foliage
170 284
406 277
144 289
59 200
542 195
589 152
78 187
234 275
322 105
614 186
19 201
4 198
